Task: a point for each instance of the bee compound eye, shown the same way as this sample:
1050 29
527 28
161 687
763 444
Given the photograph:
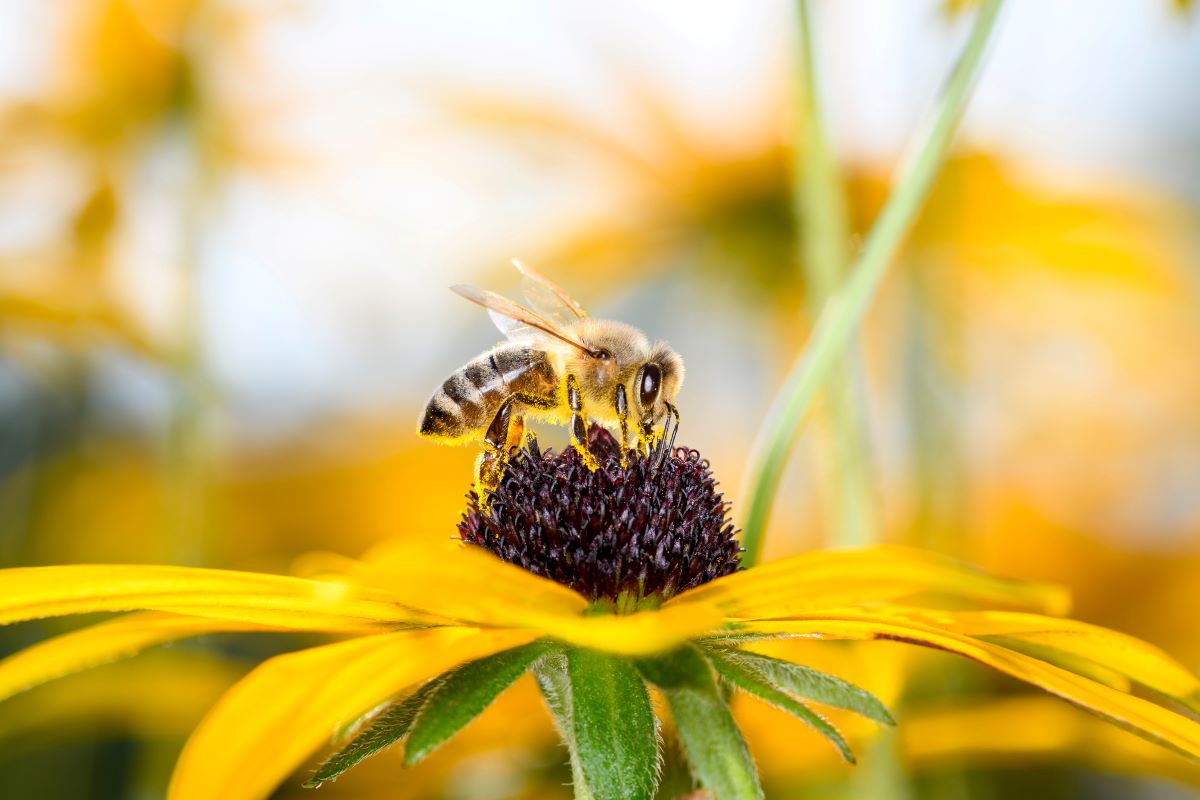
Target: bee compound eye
649 385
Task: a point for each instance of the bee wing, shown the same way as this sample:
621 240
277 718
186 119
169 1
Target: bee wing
513 320
547 297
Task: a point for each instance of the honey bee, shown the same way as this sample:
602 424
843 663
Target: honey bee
557 364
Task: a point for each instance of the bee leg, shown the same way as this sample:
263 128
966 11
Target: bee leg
666 445
622 409
489 467
645 438
579 424
516 433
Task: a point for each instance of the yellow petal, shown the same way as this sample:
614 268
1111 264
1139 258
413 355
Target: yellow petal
1137 660
1132 713
462 583
468 585
837 579
99 644
35 592
1025 730
264 728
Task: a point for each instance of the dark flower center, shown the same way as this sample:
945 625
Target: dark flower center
621 533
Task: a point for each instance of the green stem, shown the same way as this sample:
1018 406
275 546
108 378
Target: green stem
188 446
819 205
844 310
882 775
932 335
820 210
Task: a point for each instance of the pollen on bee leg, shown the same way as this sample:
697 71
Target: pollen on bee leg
586 455
516 433
579 440
579 426
489 468
647 439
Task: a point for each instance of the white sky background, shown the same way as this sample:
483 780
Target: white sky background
325 290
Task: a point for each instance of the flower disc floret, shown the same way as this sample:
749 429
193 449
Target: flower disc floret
620 532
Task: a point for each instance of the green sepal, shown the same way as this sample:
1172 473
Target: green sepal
715 750
733 637
552 679
807 683
741 675
614 727
463 694
386 729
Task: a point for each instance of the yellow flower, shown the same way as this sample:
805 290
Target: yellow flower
111 700
410 614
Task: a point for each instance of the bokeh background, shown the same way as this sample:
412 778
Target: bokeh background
226 232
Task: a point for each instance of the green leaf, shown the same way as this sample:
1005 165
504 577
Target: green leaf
743 676
711 740
733 636
806 682
462 695
552 679
387 728
614 727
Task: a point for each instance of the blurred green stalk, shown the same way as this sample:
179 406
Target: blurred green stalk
819 205
190 452
932 337
187 447
844 310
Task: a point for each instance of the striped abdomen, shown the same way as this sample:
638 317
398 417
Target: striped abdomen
468 400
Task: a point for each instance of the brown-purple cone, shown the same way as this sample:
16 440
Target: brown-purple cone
633 531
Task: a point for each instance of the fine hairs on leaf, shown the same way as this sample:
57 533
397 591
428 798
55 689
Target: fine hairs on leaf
750 681
551 674
716 752
390 726
614 727
452 700
463 694
804 682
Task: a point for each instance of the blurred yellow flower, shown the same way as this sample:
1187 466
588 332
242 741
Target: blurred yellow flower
1031 729
112 699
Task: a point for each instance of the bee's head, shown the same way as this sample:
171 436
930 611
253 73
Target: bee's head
656 384
615 352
